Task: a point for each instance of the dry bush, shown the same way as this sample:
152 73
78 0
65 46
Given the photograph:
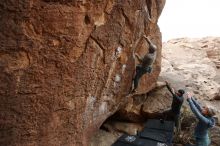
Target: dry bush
188 122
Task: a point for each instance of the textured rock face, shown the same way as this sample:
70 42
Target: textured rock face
142 107
66 65
193 63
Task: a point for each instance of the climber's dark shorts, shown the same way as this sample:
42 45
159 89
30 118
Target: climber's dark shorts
140 71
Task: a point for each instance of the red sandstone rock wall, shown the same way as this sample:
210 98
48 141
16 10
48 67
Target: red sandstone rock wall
66 65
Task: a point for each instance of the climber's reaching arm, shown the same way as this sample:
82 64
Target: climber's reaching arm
151 44
147 39
140 59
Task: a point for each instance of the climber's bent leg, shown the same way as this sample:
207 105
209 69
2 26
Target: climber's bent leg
138 75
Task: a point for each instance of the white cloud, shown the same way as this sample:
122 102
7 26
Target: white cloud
190 18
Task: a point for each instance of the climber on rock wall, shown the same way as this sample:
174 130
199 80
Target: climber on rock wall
206 121
146 63
174 112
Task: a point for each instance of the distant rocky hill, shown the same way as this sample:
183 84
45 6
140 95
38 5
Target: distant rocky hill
193 64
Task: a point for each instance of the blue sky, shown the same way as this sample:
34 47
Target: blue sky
190 18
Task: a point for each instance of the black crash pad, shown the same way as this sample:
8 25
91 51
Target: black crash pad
158 131
131 140
155 133
160 125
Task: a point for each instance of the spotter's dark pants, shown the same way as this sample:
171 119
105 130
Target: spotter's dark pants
170 115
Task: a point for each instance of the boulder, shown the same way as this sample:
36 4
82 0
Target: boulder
186 63
193 64
67 65
124 127
104 138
